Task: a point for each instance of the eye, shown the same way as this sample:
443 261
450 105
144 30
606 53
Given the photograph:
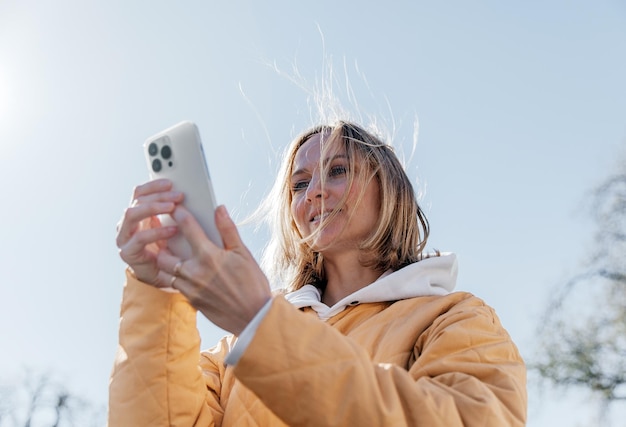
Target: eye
337 171
299 186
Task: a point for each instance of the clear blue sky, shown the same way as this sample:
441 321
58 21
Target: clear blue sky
521 109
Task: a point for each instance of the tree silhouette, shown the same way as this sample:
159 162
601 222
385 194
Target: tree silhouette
583 333
37 400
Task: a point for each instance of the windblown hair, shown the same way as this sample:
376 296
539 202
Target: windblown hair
402 231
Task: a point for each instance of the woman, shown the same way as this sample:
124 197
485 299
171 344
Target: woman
367 333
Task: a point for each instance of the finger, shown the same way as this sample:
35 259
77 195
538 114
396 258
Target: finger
155 186
166 280
152 235
134 215
167 264
155 222
227 228
181 285
171 264
135 247
163 196
192 230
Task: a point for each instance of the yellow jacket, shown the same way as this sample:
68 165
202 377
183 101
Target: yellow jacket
425 361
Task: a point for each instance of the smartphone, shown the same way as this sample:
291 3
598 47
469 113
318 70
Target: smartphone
176 154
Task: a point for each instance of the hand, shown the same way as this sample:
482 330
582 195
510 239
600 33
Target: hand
140 236
226 285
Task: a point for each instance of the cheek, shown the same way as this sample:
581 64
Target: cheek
370 200
296 211
353 194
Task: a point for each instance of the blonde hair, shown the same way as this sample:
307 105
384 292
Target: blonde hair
402 231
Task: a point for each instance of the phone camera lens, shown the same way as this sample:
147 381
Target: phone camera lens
153 149
166 152
156 165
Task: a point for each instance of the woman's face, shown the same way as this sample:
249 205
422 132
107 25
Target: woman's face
311 204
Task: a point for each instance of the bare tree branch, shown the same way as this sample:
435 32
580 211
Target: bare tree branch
585 345
36 400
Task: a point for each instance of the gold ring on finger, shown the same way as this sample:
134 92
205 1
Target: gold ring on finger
177 268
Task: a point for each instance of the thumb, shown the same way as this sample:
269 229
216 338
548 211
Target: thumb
227 228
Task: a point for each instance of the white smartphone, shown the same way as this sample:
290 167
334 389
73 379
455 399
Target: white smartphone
176 154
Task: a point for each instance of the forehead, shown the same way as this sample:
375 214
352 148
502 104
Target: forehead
311 151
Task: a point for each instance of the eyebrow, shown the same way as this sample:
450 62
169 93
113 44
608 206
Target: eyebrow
328 160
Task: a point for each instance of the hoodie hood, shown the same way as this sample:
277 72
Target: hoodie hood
430 276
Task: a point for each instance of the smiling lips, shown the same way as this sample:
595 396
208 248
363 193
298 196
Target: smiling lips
320 216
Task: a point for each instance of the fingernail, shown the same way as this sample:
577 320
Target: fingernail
222 212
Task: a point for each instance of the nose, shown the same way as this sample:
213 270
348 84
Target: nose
315 189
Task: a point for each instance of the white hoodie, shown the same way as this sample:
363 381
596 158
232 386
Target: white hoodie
431 276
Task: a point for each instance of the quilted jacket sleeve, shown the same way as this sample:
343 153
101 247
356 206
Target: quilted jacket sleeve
156 379
465 372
